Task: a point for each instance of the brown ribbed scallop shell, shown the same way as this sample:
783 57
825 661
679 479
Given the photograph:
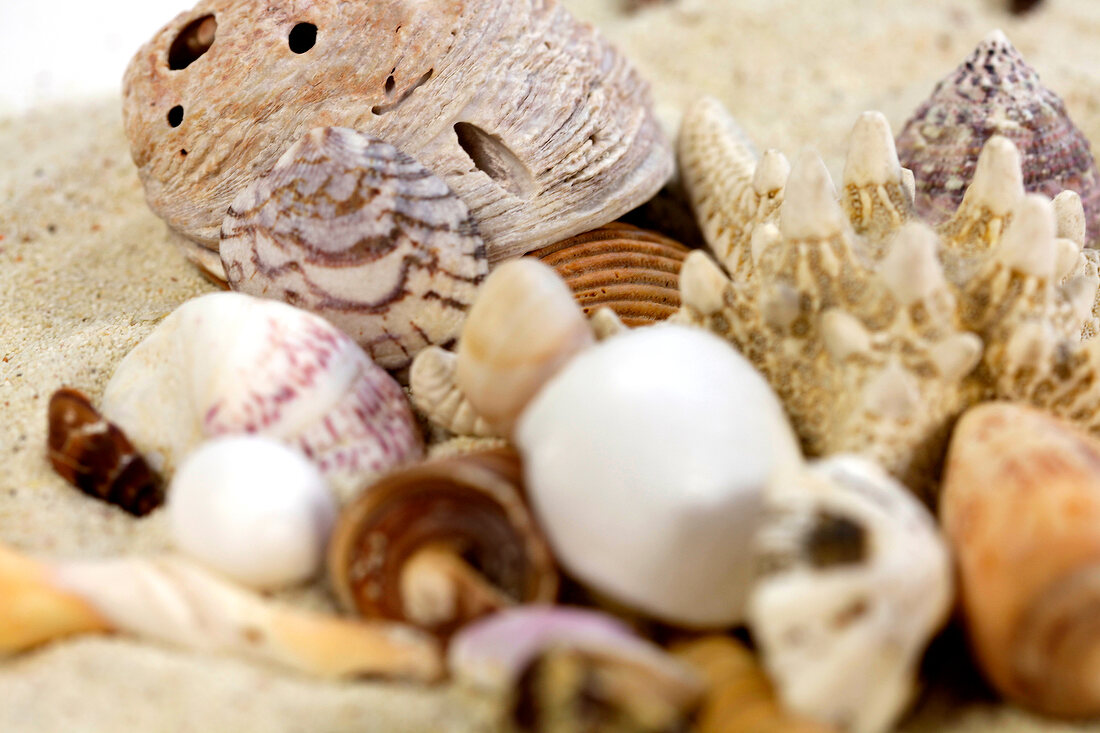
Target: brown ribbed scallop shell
633 271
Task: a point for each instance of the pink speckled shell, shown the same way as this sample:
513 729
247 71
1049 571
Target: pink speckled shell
995 92
530 116
228 363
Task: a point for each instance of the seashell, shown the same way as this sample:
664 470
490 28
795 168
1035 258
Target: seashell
352 229
653 508
441 543
1021 508
559 668
228 363
435 393
875 330
740 698
523 326
96 457
173 601
253 509
995 92
527 114
633 271
855 577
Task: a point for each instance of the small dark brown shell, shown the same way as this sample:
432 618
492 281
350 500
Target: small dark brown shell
96 457
470 504
633 271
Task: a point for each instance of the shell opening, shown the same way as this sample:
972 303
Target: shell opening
194 40
175 116
493 158
302 37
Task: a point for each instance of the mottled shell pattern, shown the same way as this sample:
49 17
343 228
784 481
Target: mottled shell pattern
1021 507
995 92
228 363
529 115
875 330
632 271
349 228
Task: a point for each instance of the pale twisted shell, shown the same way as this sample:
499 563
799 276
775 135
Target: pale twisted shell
170 600
435 393
529 115
352 229
229 363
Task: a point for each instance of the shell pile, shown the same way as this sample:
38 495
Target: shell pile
530 116
875 329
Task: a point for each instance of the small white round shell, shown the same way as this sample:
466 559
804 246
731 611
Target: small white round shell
253 509
351 228
646 458
228 363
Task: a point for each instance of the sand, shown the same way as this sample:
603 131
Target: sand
85 273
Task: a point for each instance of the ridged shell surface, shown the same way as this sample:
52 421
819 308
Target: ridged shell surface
529 115
633 271
995 92
350 228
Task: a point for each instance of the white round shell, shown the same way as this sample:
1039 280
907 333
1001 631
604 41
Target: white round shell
646 457
350 228
252 509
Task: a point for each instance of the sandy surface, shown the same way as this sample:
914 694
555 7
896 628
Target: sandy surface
85 273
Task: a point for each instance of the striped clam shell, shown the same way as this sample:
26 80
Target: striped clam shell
352 229
633 271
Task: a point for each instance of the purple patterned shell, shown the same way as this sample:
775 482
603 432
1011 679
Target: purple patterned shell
995 92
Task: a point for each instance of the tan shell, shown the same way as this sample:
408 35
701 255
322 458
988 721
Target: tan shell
633 271
352 229
740 698
1021 508
522 328
441 543
875 330
530 116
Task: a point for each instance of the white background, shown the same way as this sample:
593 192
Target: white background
59 50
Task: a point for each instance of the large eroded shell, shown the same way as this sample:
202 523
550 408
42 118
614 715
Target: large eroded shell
228 363
633 271
995 92
350 228
530 116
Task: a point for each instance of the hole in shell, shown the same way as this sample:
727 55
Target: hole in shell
194 40
492 157
175 116
302 37
381 109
